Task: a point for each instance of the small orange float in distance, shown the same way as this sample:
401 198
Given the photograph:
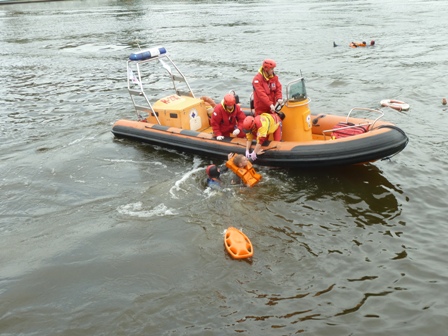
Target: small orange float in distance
237 244
357 44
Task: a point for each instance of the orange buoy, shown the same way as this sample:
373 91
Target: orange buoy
237 244
395 104
208 100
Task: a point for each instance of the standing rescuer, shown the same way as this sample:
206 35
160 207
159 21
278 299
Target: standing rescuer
267 88
227 118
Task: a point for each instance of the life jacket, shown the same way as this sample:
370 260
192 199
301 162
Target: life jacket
247 174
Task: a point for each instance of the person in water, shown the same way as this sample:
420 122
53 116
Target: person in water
357 44
243 172
241 162
213 172
236 162
267 88
361 44
214 177
261 127
227 118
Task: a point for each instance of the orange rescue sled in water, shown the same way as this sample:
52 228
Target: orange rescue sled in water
237 244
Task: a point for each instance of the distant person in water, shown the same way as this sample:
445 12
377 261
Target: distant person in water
357 44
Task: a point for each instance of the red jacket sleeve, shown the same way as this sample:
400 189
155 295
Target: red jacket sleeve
261 90
216 119
278 90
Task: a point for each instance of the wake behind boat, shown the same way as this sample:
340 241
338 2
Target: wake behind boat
180 120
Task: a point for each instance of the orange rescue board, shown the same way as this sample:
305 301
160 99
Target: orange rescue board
237 244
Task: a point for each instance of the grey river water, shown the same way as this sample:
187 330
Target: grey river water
101 236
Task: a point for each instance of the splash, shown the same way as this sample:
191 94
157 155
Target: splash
177 187
136 210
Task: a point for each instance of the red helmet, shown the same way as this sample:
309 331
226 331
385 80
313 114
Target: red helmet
248 124
229 99
269 64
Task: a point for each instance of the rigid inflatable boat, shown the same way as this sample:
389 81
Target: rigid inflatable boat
178 119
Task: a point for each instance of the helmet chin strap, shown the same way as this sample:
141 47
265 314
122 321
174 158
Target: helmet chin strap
266 75
225 107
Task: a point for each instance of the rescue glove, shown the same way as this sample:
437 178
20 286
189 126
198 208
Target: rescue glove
236 131
247 154
253 156
219 137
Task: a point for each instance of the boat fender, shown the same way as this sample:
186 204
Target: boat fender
147 54
247 174
395 104
209 101
210 104
237 244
